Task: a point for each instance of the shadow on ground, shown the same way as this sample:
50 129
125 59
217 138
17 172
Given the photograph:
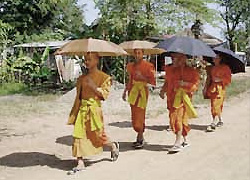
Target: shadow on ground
198 127
65 140
127 124
127 146
124 146
123 124
28 159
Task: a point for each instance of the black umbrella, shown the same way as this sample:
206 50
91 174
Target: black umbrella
234 61
186 45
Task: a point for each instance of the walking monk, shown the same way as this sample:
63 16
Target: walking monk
140 73
219 78
167 88
86 114
180 83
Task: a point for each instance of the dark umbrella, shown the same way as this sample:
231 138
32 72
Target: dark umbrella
186 45
234 61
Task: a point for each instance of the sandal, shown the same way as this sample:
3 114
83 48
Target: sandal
175 149
211 128
115 153
139 144
219 124
185 144
75 170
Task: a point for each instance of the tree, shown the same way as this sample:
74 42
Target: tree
136 19
34 17
5 30
236 17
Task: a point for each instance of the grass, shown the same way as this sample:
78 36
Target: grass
12 88
238 86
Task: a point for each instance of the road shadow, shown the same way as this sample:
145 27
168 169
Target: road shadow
65 140
89 162
124 146
198 127
28 159
127 124
123 124
158 127
128 146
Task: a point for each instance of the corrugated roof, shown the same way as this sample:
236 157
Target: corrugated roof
51 44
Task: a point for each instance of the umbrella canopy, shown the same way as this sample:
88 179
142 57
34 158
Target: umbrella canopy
234 61
186 45
148 47
81 46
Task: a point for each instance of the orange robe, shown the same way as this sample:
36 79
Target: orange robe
178 116
148 71
217 90
92 141
169 86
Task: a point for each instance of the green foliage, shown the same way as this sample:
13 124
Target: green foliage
5 30
132 19
115 67
235 14
41 19
26 69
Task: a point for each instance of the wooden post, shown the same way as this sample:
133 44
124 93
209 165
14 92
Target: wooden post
156 64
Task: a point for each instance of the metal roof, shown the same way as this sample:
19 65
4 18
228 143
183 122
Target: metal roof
51 44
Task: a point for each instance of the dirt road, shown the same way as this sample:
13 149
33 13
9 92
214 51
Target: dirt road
38 147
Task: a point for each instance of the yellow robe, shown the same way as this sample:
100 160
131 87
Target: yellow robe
89 135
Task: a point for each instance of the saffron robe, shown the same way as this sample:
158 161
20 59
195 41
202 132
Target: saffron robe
179 115
86 115
217 90
138 107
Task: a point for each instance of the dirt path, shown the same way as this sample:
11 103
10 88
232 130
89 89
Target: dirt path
38 147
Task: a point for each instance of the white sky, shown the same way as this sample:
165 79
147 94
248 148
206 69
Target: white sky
91 13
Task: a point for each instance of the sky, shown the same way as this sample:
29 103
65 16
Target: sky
91 13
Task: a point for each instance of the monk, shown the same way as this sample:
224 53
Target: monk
182 82
140 73
86 114
167 88
220 78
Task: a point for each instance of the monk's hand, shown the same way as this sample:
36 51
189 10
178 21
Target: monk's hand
91 83
183 83
162 94
138 75
124 96
217 79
